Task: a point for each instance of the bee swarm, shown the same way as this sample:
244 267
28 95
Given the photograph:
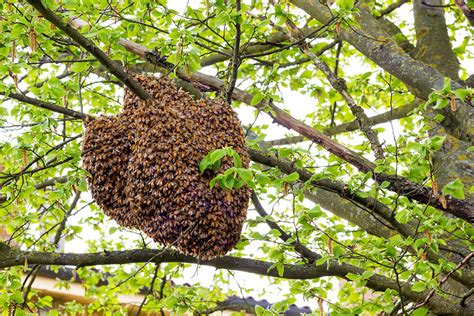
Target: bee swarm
144 166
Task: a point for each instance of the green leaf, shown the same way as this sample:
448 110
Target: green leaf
292 177
403 216
438 118
212 183
217 155
391 251
315 212
17 297
257 98
79 67
422 311
281 269
262 179
245 174
419 286
346 4
259 310
82 185
353 276
462 94
228 182
385 184
436 142
446 85
338 251
306 74
237 160
204 164
367 274
441 103
454 188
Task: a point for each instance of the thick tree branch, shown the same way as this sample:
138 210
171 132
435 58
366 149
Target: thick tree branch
433 44
388 116
459 208
88 45
397 35
333 268
357 214
392 7
51 182
47 105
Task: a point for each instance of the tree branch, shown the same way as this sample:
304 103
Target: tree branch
62 225
47 105
468 12
305 252
291 271
444 279
388 116
235 57
88 45
300 61
340 86
51 182
250 49
392 7
253 50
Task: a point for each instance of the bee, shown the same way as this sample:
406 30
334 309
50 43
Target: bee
144 166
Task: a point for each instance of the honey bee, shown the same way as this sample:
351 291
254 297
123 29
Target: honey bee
144 166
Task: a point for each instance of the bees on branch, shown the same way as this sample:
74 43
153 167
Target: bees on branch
144 166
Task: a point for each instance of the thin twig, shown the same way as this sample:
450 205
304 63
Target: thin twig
300 248
236 56
446 277
150 289
336 70
62 225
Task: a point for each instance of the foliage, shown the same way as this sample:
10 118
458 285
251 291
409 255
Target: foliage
321 211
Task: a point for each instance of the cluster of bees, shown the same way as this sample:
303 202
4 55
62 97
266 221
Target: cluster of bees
144 166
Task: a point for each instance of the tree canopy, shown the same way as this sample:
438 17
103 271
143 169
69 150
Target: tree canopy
359 121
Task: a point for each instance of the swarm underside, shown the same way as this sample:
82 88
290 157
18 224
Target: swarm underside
144 166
